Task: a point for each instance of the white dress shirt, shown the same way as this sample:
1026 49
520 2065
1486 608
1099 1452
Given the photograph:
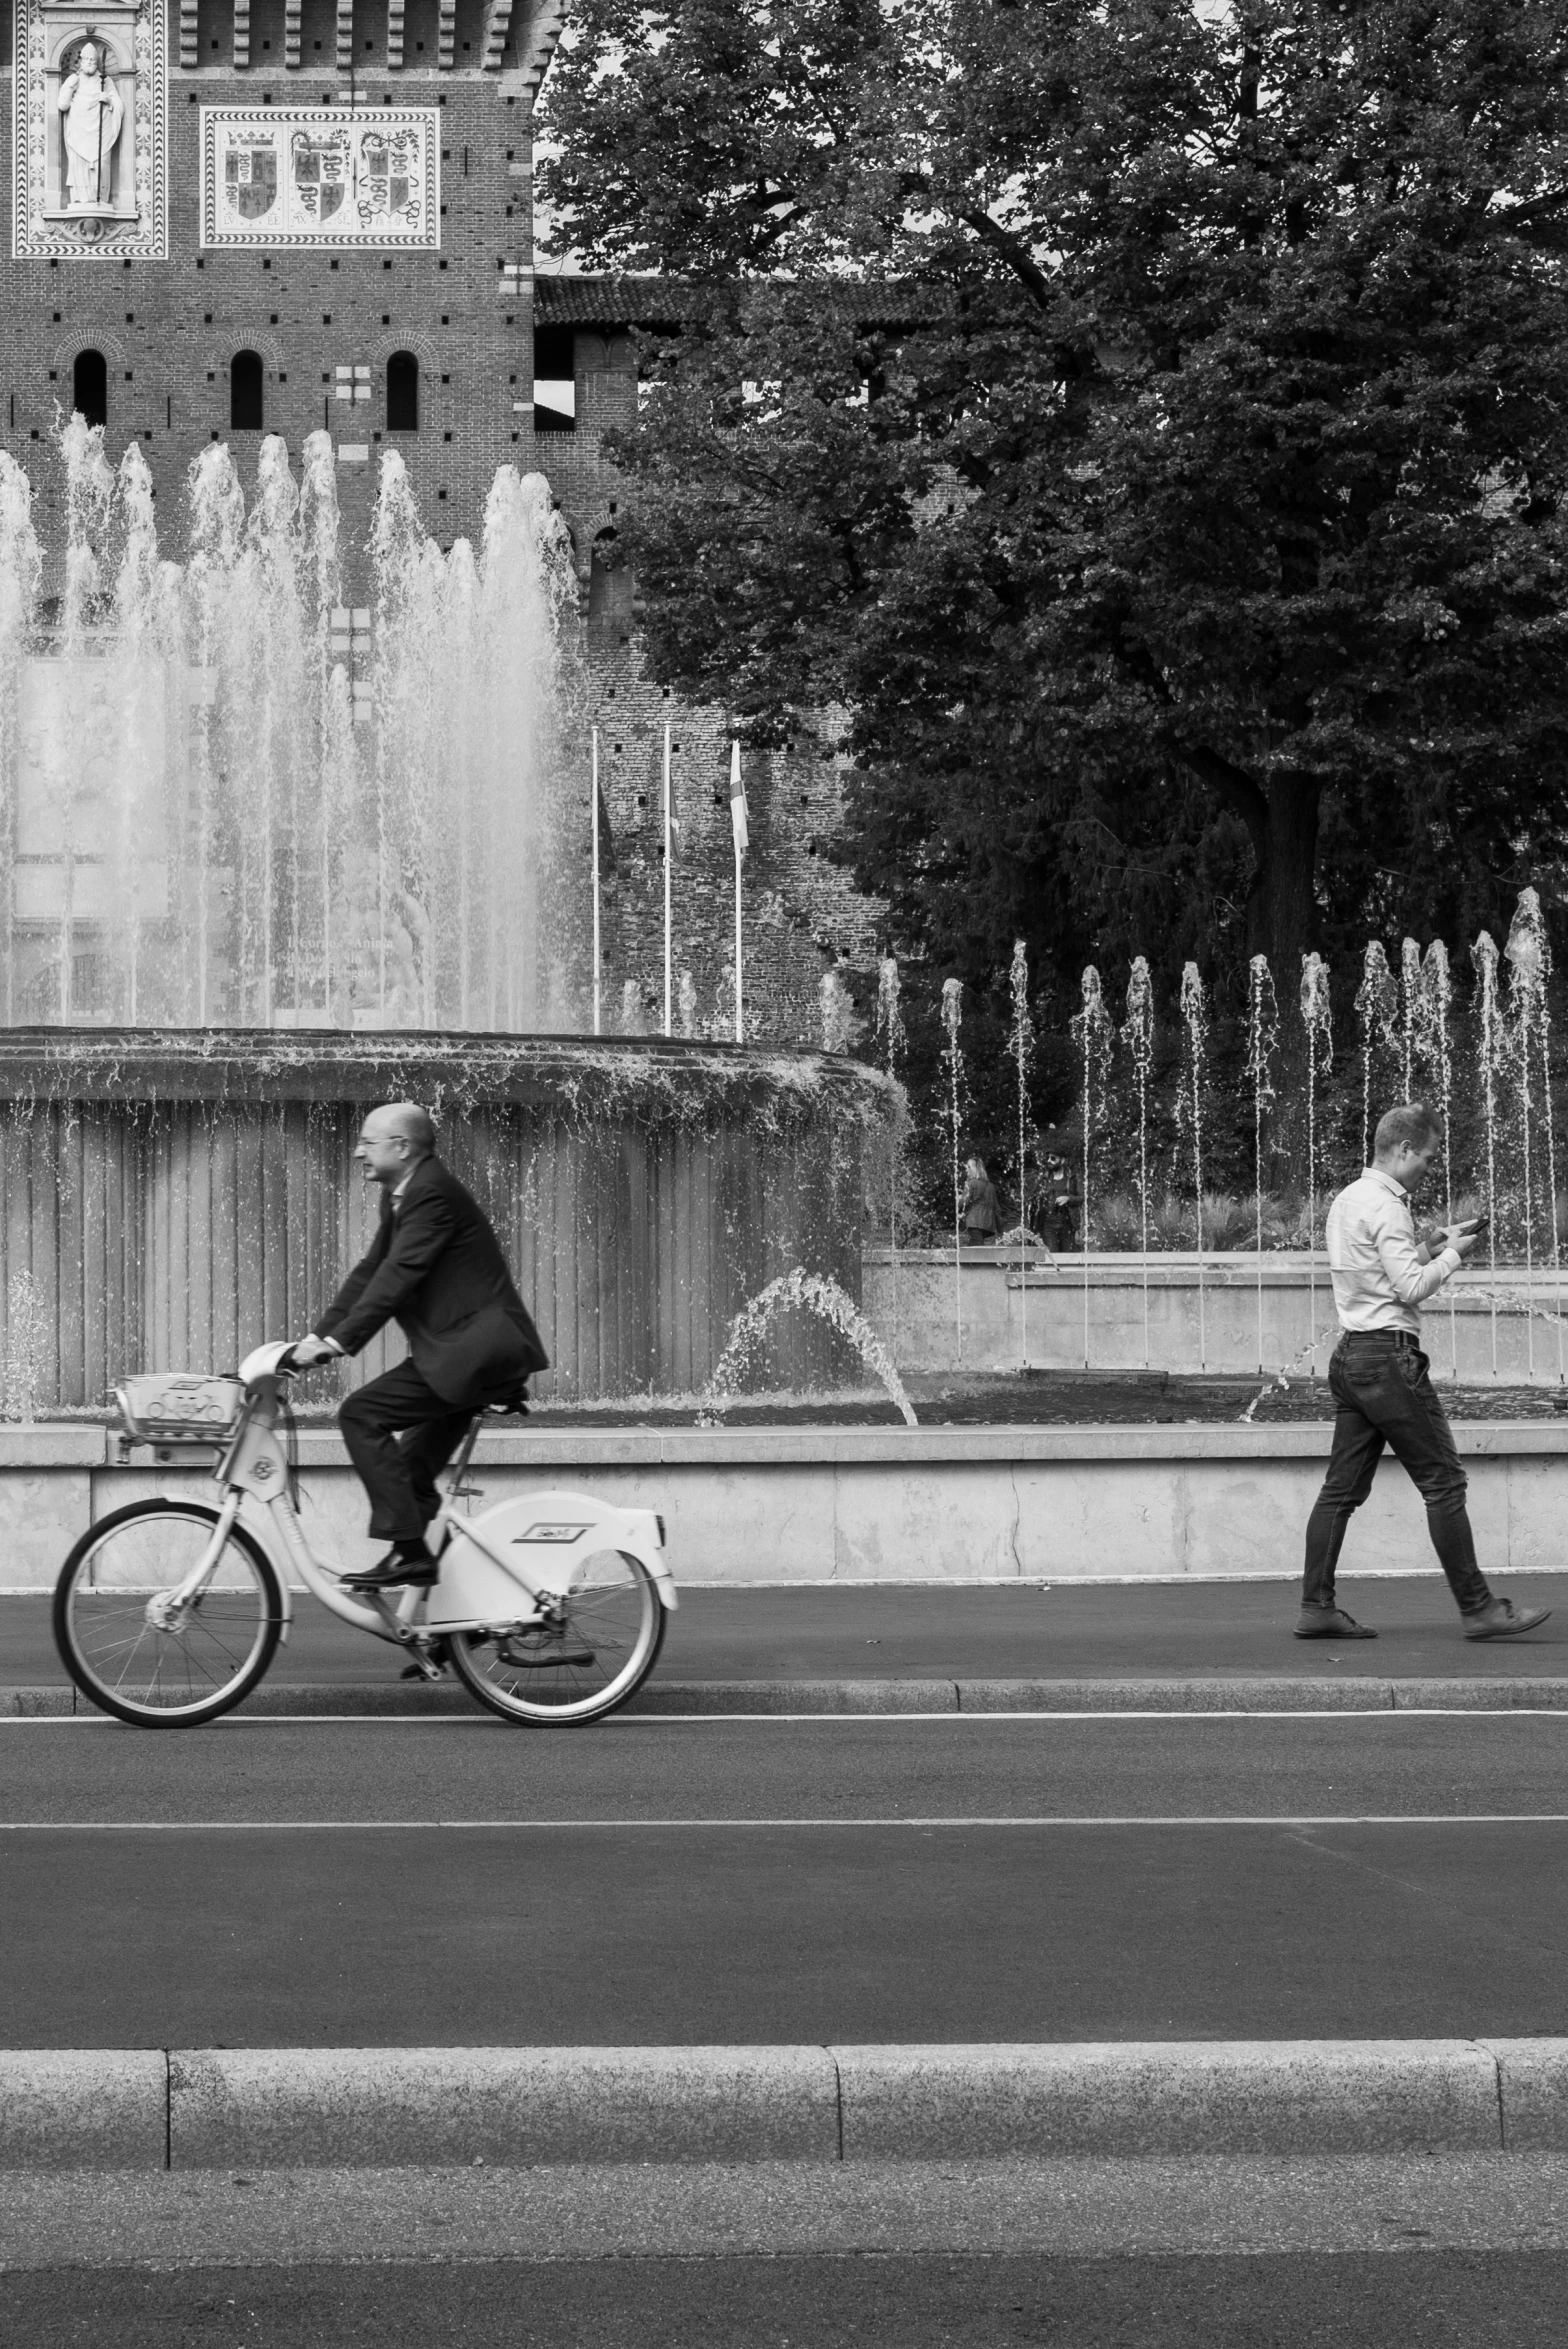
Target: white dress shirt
1380 1281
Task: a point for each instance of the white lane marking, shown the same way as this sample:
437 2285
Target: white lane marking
577 1826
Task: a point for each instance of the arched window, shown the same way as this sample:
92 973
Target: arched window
402 392
245 393
90 387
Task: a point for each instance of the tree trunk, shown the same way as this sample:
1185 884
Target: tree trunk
1280 812
1280 911
1280 902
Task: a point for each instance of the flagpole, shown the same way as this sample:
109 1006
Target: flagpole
593 818
740 1017
668 1028
736 830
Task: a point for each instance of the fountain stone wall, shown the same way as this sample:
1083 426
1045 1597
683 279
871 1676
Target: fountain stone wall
174 1197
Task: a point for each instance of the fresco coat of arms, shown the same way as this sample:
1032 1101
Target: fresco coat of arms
321 176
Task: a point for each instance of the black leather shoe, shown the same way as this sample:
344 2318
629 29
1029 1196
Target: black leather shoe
393 1572
1330 1623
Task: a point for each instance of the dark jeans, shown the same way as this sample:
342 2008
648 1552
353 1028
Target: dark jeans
400 1476
1379 1381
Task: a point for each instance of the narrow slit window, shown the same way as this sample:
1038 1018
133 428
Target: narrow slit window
246 402
90 387
402 392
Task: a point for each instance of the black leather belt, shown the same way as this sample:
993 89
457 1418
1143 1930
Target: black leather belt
1379 1337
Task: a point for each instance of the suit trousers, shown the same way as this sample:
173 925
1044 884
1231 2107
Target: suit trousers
1379 1381
400 1435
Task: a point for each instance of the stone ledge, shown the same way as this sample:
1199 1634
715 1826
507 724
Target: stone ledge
433 2107
867 1698
552 1450
555 1450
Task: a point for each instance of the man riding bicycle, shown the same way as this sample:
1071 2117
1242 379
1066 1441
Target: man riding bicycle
436 1268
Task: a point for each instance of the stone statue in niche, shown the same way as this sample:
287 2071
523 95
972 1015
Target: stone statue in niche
94 117
90 129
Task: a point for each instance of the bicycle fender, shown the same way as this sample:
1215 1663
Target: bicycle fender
547 1535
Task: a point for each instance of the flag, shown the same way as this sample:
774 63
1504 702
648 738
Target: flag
738 809
601 817
672 800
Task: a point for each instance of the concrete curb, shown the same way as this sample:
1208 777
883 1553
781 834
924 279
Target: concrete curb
1258 1693
314 2108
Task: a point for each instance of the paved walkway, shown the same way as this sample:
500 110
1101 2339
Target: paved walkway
1067 1632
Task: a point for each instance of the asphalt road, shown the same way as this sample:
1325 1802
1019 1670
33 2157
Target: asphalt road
1296 2301
455 1882
1064 1631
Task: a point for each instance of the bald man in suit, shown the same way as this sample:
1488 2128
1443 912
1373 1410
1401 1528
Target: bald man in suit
436 1268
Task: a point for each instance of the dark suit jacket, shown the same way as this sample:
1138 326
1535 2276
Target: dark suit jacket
436 1268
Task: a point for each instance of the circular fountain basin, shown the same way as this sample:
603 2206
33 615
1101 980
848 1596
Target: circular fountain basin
173 1197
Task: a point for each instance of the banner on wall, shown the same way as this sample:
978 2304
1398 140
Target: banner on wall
317 175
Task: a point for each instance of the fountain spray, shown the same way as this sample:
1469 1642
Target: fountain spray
1436 998
1529 957
1195 1022
1021 1044
21 567
1410 1011
1317 1019
1096 1039
893 1036
818 1294
952 1021
1377 1006
89 490
1138 1036
1484 955
239 857
19 576
1262 1044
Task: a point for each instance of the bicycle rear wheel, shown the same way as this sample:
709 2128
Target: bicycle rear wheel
132 1652
593 1646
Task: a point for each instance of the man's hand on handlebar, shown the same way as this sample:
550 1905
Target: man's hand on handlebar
307 1352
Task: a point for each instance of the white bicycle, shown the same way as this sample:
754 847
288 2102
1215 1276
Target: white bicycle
169 1612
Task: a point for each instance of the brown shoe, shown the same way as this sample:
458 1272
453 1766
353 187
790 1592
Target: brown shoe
1330 1623
1501 1619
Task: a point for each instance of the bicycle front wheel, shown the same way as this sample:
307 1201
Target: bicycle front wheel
132 1649
583 1657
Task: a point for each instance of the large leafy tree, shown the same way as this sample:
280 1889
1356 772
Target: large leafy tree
1143 422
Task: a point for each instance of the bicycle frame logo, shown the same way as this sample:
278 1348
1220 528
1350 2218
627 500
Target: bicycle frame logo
551 1533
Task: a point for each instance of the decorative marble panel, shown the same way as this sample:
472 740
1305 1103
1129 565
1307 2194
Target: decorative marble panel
321 176
90 143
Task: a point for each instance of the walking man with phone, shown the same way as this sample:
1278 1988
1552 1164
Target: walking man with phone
1378 1376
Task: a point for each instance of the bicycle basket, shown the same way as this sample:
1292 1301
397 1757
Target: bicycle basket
180 1409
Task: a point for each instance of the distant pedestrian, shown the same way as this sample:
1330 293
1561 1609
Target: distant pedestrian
1060 1198
981 1219
1378 1376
